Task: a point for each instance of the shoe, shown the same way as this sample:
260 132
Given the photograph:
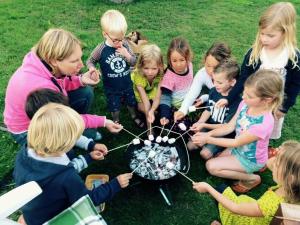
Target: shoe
241 188
98 136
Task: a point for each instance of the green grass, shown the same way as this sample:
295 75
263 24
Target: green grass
202 22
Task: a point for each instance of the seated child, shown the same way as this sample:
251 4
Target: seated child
215 54
224 78
243 209
253 123
177 79
52 132
40 97
146 79
115 58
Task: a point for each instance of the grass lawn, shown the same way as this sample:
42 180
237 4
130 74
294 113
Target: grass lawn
202 22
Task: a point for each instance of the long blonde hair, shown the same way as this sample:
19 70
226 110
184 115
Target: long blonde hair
56 44
54 129
267 84
150 53
280 16
288 163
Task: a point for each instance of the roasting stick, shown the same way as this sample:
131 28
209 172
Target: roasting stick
171 166
140 164
162 129
133 134
121 146
171 128
181 135
150 128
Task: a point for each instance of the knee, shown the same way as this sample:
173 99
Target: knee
206 154
211 167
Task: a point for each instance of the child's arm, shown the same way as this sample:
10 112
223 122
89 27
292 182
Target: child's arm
126 51
144 98
165 104
154 106
200 124
95 57
243 209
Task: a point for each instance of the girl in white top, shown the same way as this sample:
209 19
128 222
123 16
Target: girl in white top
214 55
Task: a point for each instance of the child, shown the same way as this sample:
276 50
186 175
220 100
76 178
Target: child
40 97
224 78
115 58
177 79
253 124
215 54
52 132
245 210
146 79
275 48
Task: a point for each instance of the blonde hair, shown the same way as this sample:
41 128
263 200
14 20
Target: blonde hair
113 22
280 16
56 44
267 84
53 129
288 162
181 46
150 53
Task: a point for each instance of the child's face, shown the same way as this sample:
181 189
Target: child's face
250 98
178 63
114 40
271 38
71 65
222 83
150 70
210 64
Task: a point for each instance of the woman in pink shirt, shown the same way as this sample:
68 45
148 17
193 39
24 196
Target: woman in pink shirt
54 63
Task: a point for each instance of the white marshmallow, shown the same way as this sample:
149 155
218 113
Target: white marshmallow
182 126
147 143
192 108
151 137
170 165
158 139
151 154
171 141
165 139
136 141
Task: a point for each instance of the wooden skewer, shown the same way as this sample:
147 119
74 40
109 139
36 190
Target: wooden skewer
140 164
118 147
181 135
203 107
162 129
133 134
184 175
171 128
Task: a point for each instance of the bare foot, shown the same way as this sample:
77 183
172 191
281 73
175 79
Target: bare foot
215 222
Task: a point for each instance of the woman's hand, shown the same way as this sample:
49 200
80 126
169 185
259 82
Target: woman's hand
123 179
92 77
201 187
113 127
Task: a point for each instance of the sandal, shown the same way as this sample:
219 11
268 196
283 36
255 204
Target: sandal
140 123
241 188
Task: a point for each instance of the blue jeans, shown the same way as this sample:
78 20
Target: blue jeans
81 99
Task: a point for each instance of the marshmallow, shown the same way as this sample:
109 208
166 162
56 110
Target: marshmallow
170 165
151 154
171 140
192 108
151 137
136 141
182 126
165 139
147 143
158 139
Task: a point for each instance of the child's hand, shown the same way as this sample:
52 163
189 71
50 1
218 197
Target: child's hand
95 74
221 103
123 179
151 116
279 114
123 51
200 138
198 102
100 148
201 187
164 121
178 115
89 79
96 155
197 126
113 127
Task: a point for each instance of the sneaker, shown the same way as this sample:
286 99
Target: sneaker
98 136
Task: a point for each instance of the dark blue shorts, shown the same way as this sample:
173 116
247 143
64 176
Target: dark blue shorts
114 99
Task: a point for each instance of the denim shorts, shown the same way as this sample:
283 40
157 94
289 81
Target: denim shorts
250 167
114 99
